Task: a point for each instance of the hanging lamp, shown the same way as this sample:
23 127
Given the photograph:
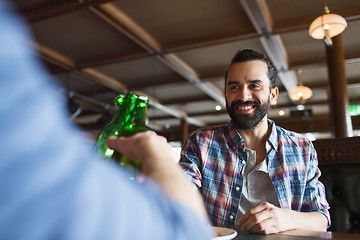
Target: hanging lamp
327 26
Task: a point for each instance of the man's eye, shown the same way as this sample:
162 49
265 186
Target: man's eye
255 86
233 87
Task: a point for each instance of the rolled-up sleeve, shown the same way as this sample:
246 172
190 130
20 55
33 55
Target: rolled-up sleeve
314 195
190 160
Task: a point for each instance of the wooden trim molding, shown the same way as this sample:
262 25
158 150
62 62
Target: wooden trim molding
338 150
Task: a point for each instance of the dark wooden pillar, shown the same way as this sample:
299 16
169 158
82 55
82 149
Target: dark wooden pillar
184 130
339 100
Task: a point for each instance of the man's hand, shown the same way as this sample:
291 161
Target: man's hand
160 163
152 150
266 218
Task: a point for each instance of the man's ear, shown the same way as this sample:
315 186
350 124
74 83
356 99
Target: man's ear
274 94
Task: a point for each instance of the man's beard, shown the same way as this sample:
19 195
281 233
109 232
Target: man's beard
247 121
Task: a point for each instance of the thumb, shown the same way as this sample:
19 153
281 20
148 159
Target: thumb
114 143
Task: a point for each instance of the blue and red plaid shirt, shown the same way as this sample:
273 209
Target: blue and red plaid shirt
214 159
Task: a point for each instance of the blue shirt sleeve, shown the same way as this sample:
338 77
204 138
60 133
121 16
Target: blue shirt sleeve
53 186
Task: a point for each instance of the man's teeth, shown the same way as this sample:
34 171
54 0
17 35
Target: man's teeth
244 107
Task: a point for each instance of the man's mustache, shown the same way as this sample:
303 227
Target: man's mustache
240 102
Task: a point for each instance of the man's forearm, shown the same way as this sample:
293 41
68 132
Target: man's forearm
159 162
267 218
174 183
313 221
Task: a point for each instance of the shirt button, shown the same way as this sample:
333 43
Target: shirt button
231 217
237 188
243 162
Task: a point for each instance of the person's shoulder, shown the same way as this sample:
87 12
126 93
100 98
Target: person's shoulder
220 127
292 137
209 131
295 144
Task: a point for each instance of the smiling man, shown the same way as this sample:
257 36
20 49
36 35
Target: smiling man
252 174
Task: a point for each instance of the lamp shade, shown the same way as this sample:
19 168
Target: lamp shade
334 24
300 93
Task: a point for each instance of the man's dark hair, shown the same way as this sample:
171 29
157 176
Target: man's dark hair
246 55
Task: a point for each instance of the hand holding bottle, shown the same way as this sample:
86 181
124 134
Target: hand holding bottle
159 162
129 119
150 149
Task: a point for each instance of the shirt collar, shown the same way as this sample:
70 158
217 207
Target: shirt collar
235 140
273 138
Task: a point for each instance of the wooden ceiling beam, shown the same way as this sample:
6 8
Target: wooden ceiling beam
62 61
187 100
120 21
169 48
139 86
321 63
46 10
104 60
210 41
157 84
93 75
49 9
289 25
124 24
278 27
37 12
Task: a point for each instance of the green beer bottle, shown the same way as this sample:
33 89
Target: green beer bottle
129 120
110 130
133 124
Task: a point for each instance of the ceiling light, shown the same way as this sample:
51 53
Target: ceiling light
217 107
281 113
301 93
300 107
327 26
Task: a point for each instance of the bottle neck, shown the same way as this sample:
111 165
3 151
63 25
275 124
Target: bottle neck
131 115
127 108
137 117
140 114
119 100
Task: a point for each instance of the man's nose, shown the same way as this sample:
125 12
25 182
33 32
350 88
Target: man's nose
244 93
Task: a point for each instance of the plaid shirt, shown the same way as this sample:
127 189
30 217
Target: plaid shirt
214 159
